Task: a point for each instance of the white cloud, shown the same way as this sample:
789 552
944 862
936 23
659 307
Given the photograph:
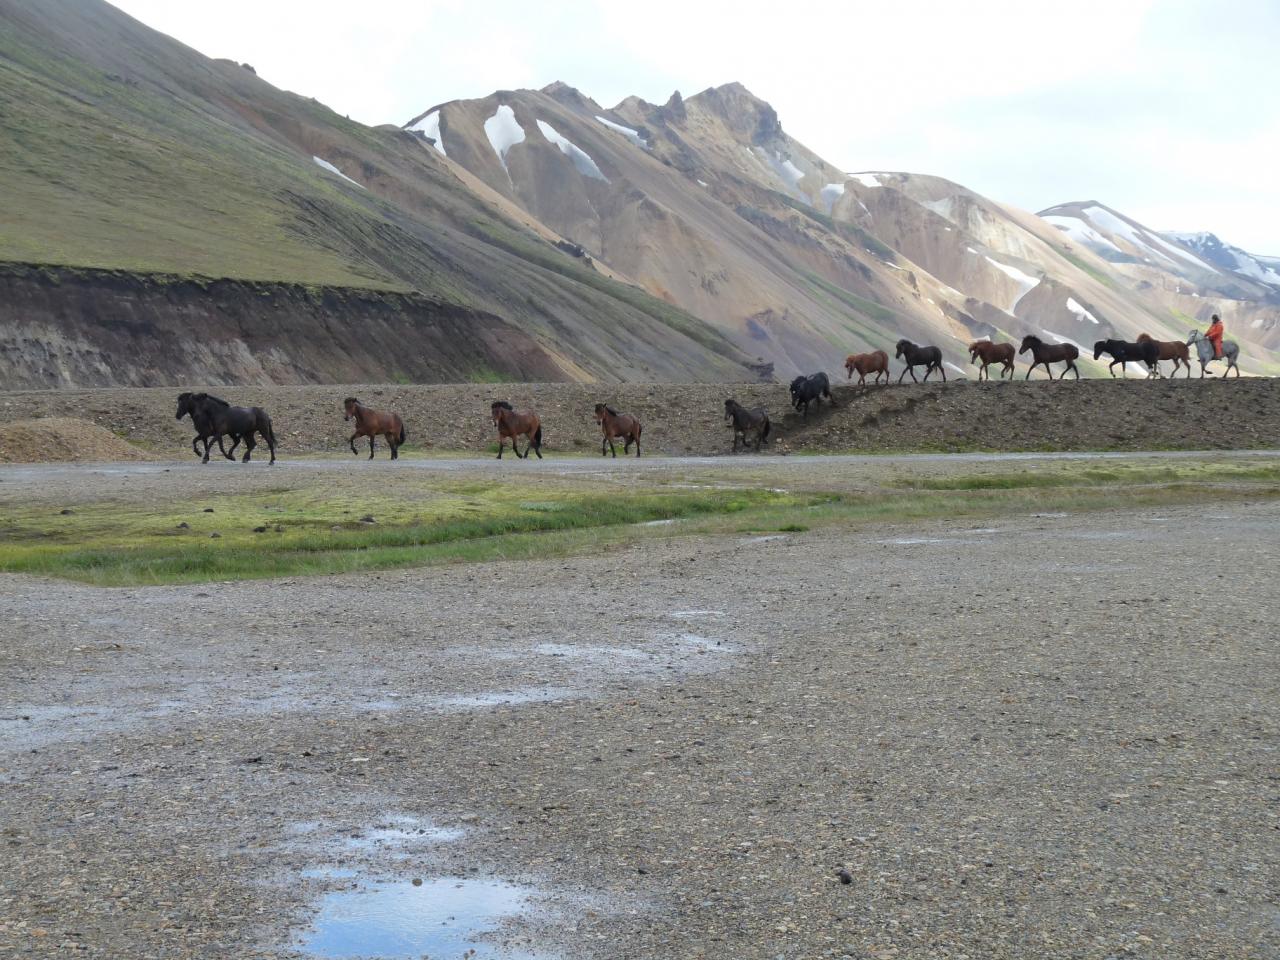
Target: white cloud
1160 110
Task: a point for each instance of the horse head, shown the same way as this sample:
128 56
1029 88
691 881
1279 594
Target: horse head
184 405
1029 342
601 411
349 407
1193 337
730 408
903 347
1098 347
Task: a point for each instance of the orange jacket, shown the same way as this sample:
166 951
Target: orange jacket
1214 334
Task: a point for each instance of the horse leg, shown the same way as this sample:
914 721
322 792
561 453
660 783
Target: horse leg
637 446
391 442
235 442
609 440
501 441
351 441
943 372
904 373
249 444
371 446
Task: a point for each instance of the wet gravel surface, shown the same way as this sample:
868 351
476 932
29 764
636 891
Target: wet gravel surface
1045 736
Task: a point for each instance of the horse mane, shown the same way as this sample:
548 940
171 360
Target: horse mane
218 400
1031 338
609 410
503 404
350 400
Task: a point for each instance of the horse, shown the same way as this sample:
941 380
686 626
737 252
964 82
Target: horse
1174 350
746 421
220 419
512 424
1204 348
203 422
1045 353
807 390
620 425
371 423
1123 352
989 353
931 357
876 362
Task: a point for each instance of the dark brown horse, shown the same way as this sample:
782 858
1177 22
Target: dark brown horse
1048 353
1174 350
513 423
371 423
876 362
615 425
989 353
746 421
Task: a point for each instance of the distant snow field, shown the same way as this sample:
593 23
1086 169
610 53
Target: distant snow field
332 169
584 164
430 126
1080 231
831 193
1026 283
866 179
632 135
504 132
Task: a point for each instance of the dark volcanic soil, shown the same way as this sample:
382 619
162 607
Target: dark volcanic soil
687 418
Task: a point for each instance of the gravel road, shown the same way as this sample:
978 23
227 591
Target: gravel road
1045 736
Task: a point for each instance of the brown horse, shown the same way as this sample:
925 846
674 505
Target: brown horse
876 362
1047 353
513 423
989 353
621 426
371 423
1174 350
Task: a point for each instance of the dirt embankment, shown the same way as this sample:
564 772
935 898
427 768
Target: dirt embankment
64 439
686 419
62 327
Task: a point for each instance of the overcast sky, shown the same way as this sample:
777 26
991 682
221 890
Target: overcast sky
1167 110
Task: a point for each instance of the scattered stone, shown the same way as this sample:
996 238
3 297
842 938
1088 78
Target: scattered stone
184 525
66 513
215 535
259 529
844 875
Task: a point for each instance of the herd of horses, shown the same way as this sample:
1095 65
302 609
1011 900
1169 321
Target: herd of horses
215 419
1146 350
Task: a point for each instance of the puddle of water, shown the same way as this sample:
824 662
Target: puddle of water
445 917
328 873
766 538
657 523
695 614
587 651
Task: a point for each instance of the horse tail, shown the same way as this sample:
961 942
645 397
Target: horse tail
764 432
537 437
264 425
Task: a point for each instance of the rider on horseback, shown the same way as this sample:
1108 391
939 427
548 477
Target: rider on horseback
1214 336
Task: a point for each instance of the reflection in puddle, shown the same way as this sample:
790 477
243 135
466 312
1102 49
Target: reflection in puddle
441 918
502 698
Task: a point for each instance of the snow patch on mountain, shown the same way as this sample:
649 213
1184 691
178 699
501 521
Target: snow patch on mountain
866 179
430 126
332 169
1228 257
581 160
1061 339
632 135
1026 283
1080 311
831 193
944 208
1080 232
1106 220
504 132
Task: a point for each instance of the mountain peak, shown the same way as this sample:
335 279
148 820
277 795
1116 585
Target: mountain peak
742 110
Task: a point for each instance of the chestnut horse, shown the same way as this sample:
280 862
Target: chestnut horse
621 426
1174 350
989 353
876 362
370 423
512 423
1048 353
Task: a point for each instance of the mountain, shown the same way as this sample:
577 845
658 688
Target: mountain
707 203
138 173
1224 255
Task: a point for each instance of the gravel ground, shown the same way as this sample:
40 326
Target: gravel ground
1045 736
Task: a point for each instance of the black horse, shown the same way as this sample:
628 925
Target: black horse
931 357
746 421
203 422
222 419
810 389
1123 352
